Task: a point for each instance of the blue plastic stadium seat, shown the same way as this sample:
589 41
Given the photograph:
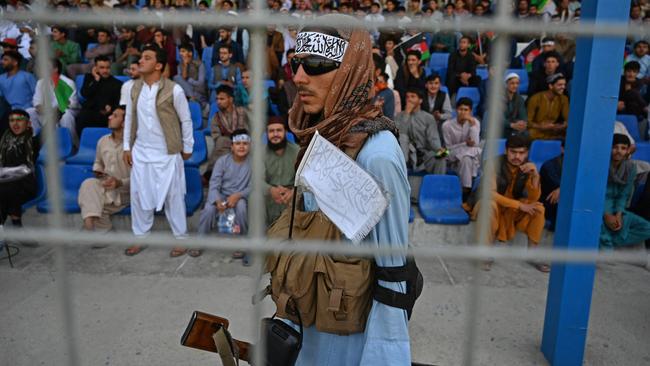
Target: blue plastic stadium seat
71 178
206 58
64 146
631 124
197 116
483 72
501 148
443 75
214 108
78 83
642 151
200 153
471 93
411 214
438 61
123 78
88 145
544 150
40 188
89 47
440 200
269 84
194 195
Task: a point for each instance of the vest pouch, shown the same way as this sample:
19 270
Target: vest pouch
293 287
344 287
292 273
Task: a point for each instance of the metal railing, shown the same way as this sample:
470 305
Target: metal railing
256 20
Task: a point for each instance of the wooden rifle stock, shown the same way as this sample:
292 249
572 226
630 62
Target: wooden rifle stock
200 329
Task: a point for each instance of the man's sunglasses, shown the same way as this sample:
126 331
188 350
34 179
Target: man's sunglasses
314 65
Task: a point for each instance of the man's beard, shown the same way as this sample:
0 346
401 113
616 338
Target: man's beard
279 146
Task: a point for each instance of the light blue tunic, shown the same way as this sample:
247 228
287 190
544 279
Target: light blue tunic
386 339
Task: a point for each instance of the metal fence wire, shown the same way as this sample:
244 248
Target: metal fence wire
256 21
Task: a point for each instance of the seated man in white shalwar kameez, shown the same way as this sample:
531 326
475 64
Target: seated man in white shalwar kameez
157 138
461 136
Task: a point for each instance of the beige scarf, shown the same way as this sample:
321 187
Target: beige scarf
349 101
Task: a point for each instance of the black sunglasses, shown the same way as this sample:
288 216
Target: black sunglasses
314 65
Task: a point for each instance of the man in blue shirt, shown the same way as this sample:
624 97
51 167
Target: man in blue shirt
16 86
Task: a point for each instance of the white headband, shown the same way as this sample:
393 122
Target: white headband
241 138
320 44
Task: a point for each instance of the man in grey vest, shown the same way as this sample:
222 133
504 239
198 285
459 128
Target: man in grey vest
157 138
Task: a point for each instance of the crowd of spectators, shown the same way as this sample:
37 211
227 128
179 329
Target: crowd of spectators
433 84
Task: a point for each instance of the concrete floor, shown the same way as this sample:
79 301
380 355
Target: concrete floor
133 310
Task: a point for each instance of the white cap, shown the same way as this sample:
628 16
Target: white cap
511 75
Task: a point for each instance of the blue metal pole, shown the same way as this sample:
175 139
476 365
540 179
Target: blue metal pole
594 95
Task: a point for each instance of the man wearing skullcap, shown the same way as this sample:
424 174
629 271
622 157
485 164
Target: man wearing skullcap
515 115
548 111
620 226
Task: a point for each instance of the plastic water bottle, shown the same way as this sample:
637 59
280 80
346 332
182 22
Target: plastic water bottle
226 221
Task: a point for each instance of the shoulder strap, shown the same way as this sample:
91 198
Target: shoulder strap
225 347
409 273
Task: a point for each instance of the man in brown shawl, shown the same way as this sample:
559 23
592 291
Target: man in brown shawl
333 75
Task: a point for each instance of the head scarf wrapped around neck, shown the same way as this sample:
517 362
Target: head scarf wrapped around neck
619 174
348 106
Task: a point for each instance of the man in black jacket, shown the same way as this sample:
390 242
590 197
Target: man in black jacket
101 92
461 68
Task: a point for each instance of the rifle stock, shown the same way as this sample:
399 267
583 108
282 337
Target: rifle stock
200 329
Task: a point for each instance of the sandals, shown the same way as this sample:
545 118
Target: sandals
133 250
194 252
177 252
487 265
542 267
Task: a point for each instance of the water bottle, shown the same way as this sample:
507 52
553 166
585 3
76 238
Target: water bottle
226 221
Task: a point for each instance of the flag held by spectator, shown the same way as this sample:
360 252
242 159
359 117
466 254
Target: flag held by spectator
419 43
62 93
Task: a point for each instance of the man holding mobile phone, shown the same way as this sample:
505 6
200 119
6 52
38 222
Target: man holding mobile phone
108 192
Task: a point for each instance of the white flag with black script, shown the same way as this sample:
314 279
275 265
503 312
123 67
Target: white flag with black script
346 193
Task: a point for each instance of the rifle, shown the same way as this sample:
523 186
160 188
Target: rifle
200 334
201 330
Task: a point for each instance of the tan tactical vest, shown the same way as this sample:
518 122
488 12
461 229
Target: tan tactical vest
331 292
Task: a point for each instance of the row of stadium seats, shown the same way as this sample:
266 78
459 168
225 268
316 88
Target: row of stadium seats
440 196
